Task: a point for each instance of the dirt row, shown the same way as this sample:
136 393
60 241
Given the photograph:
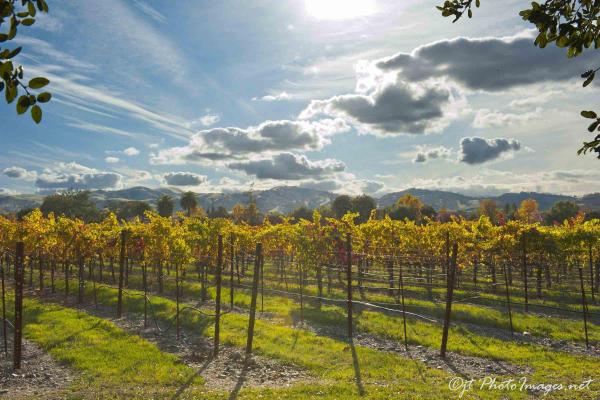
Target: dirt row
39 377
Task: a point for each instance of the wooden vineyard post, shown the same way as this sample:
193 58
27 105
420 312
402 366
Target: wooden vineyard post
584 307
18 305
450 292
349 282
67 277
81 278
145 284
4 310
231 283
591 263
218 295
262 283
512 332
121 272
524 261
401 284
447 251
41 273
52 272
301 277
252 318
177 300
390 268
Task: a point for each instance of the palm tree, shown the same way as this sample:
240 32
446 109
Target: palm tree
189 202
165 206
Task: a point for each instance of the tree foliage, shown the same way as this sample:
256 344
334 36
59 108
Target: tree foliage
165 206
13 15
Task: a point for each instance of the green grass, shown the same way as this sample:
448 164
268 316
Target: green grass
109 362
332 359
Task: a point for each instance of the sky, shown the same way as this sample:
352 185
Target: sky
349 96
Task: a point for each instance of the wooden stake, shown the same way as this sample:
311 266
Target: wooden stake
584 307
18 305
4 311
401 284
231 284
218 295
512 332
349 282
121 272
450 292
253 301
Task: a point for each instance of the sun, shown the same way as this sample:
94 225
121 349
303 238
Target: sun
340 9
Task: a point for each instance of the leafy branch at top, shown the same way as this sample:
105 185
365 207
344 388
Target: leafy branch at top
570 24
17 13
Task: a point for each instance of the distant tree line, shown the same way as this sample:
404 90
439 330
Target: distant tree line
78 204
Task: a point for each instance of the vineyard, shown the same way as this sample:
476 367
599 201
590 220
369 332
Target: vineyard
205 308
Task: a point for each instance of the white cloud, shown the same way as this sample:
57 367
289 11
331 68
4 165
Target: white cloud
270 137
391 108
184 179
495 119
209 119
20 173
111 160
8 192
273 97
65 176
131 151
425 154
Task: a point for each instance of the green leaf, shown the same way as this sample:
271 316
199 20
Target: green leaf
31 9
11 93
562 41
36 114
589 114
14 53
22 105
593 126
28 21
38 83
3 37
44 97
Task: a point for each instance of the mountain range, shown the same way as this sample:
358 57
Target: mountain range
285 199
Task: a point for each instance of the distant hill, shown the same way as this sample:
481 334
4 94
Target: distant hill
137 193
545 200
590 201
438 199
285 199
14 203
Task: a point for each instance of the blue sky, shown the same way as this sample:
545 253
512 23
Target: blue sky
350 96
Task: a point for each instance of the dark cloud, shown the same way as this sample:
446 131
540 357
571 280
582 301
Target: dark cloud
487 63
19 173
288 166
220 144
79 181
184 179
477 150
392 109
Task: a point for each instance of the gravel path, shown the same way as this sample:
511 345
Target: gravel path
39 377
